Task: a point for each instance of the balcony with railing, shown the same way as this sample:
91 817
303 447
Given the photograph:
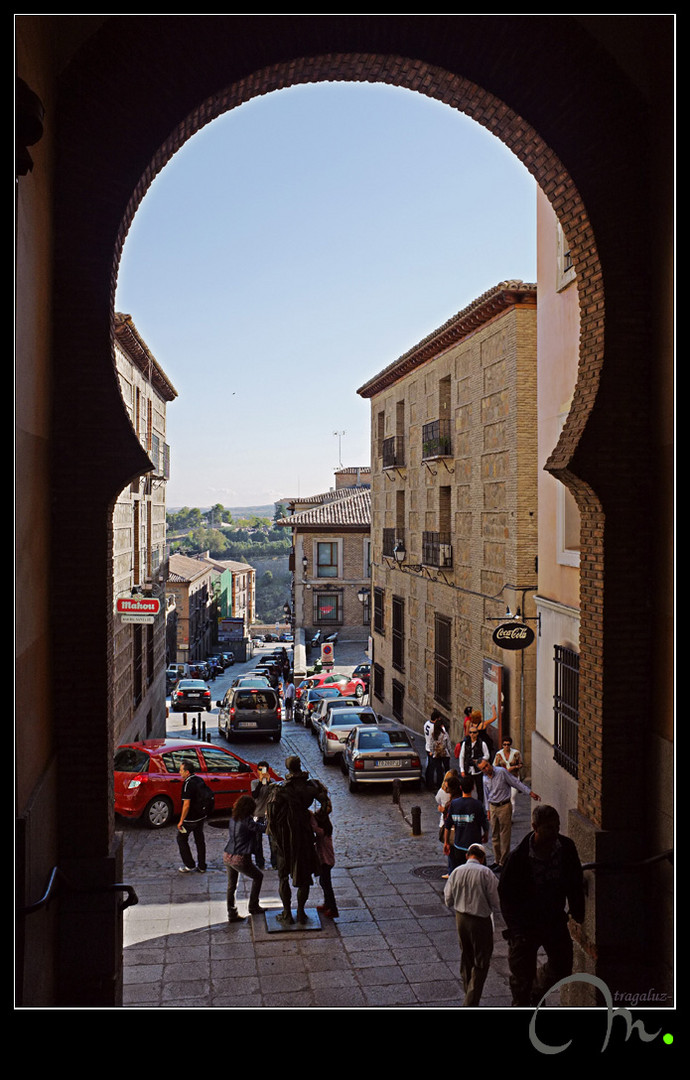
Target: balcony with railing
389 540
393 451
437 549
436 439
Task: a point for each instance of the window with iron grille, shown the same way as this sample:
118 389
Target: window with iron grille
566 697
328 608
442 646
378 611
377 681
398 633
398 699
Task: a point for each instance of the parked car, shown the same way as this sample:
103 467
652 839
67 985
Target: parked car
148 784
258 640
380 755
198 670
251 680
250 710
337 727
228 658
172 677
347 685
363 672
305 705
191 695
323 706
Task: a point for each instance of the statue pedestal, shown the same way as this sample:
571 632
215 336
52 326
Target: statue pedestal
274 926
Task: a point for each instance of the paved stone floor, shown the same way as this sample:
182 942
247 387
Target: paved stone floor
394 944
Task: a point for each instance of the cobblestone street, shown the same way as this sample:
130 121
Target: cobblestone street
394 944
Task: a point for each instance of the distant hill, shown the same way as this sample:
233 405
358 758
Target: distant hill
236 511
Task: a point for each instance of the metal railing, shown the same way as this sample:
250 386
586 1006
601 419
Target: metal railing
437 549
436 440
393 451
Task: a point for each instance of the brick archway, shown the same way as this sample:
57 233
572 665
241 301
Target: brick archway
137 90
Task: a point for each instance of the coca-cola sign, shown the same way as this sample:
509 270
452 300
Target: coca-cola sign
513 635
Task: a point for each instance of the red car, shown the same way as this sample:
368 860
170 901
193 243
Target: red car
347 684
148 782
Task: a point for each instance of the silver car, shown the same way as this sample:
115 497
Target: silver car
337 726
323 708
381 755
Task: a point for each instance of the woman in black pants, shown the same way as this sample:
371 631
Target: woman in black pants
243 834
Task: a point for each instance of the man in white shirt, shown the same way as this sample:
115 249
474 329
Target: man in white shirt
472 891
428 731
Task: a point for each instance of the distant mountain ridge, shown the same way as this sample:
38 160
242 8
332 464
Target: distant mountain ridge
237 511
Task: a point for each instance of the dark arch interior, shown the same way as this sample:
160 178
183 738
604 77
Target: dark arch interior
139 86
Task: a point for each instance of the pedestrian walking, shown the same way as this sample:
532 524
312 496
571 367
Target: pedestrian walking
498 786
540 888
197 801
467 818
323 833
472 892
440 752
289 698
237 856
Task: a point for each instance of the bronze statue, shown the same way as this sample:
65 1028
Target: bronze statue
289 825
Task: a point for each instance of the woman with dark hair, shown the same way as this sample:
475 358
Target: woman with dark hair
440 752
243 836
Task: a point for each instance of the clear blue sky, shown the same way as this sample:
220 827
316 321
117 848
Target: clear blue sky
294 248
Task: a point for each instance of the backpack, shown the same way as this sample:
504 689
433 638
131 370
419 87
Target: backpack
206 799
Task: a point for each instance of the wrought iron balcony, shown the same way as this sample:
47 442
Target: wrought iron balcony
436 440
393 451
436 549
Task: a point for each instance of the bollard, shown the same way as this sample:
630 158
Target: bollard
194 725
202 732
396 791
184 719
416 821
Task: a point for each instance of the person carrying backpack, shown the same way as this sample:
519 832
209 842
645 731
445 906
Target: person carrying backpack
197 803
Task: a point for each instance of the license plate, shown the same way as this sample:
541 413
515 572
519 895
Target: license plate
389 763
247 723
193 695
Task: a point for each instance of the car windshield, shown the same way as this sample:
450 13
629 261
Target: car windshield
255 699
129 759
383 740
192 684
350 719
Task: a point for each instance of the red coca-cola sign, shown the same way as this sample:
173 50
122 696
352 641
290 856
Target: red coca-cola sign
513 636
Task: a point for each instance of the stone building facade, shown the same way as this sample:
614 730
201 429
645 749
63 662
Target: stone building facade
454 516
330 559
191 582
139 543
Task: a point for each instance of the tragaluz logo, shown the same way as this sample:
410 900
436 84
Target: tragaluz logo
609 1012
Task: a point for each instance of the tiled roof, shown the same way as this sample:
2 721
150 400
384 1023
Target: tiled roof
328 496
139 353
486 307
349 507
183 568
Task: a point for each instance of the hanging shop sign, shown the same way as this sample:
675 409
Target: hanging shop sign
513 636
137 605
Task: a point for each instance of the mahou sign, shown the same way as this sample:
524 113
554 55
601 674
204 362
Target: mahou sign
138 605
513 635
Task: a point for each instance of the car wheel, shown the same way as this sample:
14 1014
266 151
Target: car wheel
353 786
276 736
359 691
158 813
326 760
343 766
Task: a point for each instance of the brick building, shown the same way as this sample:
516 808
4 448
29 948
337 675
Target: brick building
330 560
139 543
190 580
454 515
